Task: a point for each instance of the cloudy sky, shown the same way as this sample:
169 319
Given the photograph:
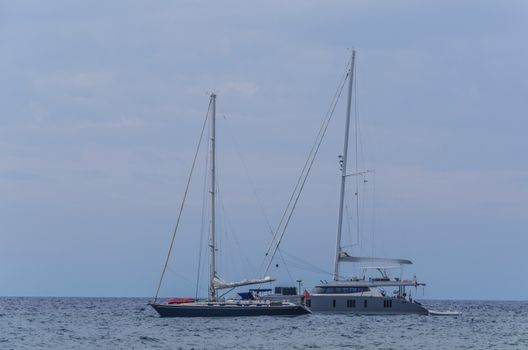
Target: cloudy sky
102 104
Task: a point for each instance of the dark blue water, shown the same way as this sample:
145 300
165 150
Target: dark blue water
115 323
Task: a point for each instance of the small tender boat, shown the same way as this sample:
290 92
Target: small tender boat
444 313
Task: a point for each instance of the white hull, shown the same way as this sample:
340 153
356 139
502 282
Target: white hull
363 305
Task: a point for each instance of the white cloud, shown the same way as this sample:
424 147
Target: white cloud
73 80
239 87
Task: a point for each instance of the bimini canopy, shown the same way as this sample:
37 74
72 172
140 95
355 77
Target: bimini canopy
221 284
343 256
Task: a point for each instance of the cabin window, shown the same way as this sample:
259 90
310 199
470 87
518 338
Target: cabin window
319 290
340 290
365 303
387 303
351 303
309 302
333 303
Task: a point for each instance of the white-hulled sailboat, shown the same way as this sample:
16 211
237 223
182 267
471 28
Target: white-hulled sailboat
362 295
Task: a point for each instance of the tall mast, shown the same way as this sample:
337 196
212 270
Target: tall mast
344 166
212 245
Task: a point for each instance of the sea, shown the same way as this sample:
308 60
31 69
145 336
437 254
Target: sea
129 323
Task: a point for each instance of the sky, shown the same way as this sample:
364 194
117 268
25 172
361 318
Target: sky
102 105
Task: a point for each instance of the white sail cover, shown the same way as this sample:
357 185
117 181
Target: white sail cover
221 284
343 256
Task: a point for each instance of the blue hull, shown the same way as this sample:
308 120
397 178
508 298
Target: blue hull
165 310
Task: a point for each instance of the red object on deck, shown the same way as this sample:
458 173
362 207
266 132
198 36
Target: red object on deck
179 300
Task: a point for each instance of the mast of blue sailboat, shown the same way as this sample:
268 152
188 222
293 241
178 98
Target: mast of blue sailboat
212 245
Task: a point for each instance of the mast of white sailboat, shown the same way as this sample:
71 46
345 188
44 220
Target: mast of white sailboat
344 167
212 244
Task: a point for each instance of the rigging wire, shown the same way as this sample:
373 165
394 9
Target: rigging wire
254 190
356 113
179 275
246 172
348 219
363 166
304 173
305 265
202 224
373 212
363 206
183 202
229 227
361 163
356 140
225 261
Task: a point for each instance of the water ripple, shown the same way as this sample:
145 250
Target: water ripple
125 323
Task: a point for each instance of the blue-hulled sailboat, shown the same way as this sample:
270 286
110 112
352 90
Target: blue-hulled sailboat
214 306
